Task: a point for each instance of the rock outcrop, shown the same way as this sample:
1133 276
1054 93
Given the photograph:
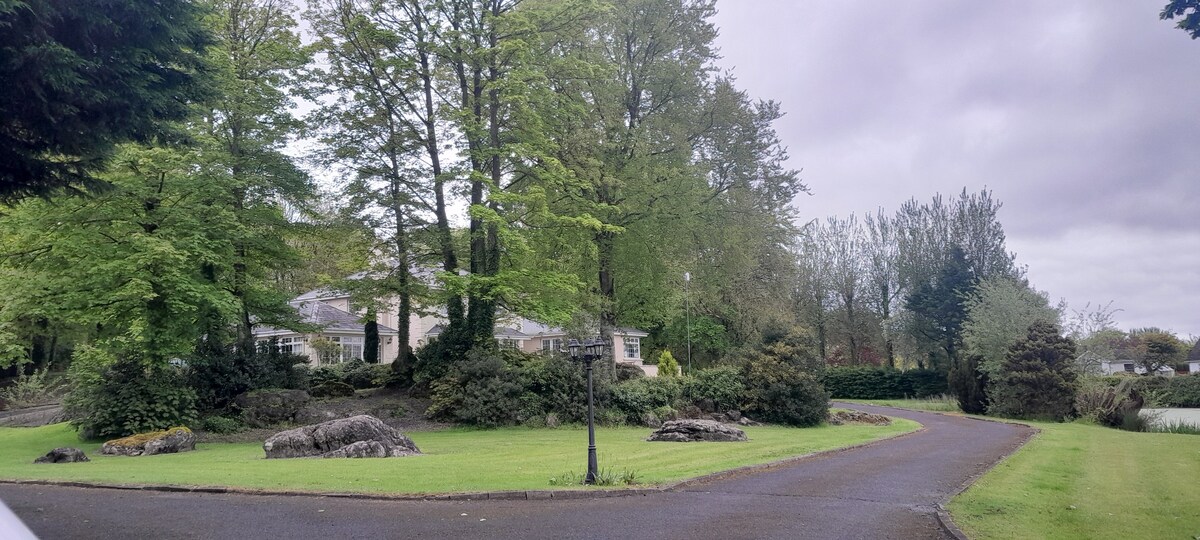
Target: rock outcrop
262 408
63 455
840 418
697 431
355 437
167 441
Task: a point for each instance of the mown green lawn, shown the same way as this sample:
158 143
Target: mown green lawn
457 460
1085 481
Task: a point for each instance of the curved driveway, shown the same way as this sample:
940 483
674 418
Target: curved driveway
885 490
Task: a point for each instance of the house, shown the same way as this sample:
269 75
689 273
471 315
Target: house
1114 367
1193 359
341 324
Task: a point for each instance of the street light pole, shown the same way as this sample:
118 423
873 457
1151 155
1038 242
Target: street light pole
592 350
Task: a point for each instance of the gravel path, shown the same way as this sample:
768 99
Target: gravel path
886 490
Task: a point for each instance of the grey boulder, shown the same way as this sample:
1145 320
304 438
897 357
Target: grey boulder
63 455
697 431
355 437
840 418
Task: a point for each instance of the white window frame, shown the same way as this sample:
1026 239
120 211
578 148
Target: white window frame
508 343
552 344
633 347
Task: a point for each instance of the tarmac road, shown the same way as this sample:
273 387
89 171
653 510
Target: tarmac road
886 490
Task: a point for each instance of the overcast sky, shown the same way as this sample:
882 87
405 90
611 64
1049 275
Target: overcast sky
1080 116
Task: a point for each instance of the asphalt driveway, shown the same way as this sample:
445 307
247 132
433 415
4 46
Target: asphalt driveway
886 490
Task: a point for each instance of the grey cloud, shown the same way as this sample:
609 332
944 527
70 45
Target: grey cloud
1079 115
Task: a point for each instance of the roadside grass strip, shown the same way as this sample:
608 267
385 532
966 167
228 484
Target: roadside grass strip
454 461
1084 481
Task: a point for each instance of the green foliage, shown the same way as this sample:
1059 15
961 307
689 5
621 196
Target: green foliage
1107 405
865 382
1183 391
606 476
969 384
356 373
1188 13
30 389
219 374
667 366
1037 380
478 390
117 397
715 389
329 389
637 397
780 392
939 310
1180 427
999 312
82 77
221 425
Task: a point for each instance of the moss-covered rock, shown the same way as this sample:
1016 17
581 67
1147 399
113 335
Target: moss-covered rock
167 441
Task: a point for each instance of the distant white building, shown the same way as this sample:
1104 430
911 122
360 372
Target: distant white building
1115 367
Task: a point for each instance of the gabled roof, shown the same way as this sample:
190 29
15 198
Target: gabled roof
500 332
328 318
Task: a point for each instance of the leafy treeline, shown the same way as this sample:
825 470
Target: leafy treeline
598 153
566 161
893 289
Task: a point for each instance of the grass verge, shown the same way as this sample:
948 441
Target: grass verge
1085 481
457 460
937 404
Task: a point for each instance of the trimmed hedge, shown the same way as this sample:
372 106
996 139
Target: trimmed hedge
883 383
1179 391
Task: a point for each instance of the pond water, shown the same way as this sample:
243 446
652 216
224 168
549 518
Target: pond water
1172 416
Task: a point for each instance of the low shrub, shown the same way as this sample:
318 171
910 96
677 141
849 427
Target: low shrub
219 374
330 389
356 373
221 424
715 389
667 365
628 372
30 389
637 397
116 397
479 390
780 392
1106 405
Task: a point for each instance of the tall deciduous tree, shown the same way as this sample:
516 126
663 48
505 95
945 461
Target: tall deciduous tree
255 59
1000 312
81 77
132 265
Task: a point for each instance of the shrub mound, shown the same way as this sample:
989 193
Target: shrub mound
855 382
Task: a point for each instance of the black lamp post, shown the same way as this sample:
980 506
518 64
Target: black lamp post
588 351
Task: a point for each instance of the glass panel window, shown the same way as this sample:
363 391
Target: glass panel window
633 347
552 344
352 348
1129 368
507 343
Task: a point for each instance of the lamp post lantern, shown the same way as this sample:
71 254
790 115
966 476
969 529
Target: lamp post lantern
588 351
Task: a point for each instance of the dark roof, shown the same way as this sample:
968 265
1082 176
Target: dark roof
500 332
329 318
